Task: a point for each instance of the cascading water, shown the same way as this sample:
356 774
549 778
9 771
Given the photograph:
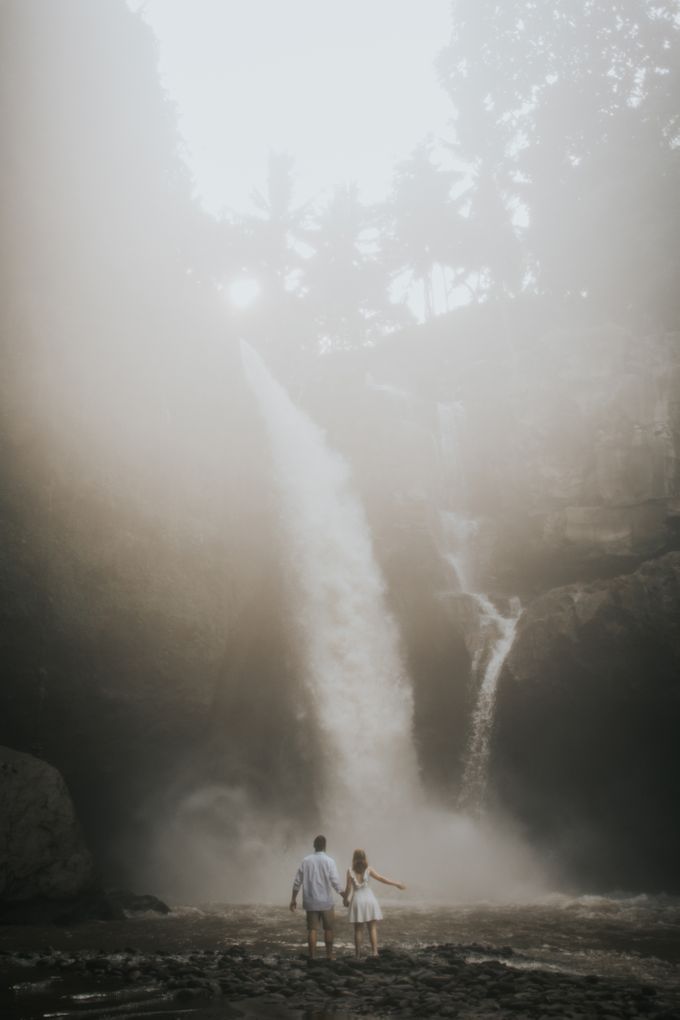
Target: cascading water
495 632
498 635
361 698
459 535
360 695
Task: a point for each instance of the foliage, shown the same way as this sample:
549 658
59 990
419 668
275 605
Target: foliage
346 281
423 230
561 178
572 109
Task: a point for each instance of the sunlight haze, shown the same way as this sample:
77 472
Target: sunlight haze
348 89
340 507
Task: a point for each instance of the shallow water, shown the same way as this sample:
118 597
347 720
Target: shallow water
628 937
634 939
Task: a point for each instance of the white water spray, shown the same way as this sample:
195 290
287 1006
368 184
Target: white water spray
353 671
360 695
459 535
499 634
493 633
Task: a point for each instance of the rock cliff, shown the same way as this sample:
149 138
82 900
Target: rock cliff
585 748
42 852
562 444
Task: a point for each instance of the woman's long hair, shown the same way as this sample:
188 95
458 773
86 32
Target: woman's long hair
359 862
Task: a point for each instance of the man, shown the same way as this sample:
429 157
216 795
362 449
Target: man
318 877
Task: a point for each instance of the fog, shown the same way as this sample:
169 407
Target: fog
292 440
250 78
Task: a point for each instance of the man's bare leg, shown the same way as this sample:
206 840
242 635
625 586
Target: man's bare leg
328 939
311 942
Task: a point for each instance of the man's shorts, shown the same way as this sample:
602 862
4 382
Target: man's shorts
323 917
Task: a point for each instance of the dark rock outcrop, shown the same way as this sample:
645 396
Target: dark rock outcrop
137 529
42 852
585 746
135 903
46 870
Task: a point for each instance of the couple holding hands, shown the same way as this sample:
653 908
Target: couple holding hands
318 877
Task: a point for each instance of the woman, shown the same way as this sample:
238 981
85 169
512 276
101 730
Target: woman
364 907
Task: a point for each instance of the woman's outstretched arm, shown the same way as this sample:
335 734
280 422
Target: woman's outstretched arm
386 881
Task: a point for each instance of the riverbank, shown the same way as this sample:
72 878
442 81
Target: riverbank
584 957
443 980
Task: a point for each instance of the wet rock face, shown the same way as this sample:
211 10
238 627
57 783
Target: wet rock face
564 443
585 748
42 853
584 456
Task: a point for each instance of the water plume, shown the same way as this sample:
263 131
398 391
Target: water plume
361 696
502 631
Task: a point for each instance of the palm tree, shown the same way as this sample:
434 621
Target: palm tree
346 284
423 228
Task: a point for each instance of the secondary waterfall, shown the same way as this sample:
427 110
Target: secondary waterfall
498 634
360 695
459 538
494 630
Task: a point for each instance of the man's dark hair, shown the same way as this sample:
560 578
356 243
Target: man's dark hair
320 843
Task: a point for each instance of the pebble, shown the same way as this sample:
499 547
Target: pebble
436 981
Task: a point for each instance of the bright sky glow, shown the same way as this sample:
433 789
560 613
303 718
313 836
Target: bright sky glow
243 291
347 87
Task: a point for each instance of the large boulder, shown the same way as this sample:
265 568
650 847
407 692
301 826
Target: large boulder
42 852
585 742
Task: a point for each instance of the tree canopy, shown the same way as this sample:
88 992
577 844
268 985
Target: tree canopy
572 109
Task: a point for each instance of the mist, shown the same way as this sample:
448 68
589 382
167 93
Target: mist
353 506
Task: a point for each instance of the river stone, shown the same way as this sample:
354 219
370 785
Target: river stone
42 852
134 903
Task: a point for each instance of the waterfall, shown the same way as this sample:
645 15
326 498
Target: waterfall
459 535
357 687
359 695
498 634
490 633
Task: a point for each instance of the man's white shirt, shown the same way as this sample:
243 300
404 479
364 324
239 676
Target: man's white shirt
318 876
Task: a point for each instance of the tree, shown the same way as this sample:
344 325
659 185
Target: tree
423 229
271 237
346 284
274 249
572 108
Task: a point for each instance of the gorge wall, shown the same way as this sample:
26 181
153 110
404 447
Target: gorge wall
555 454
585 741
139 553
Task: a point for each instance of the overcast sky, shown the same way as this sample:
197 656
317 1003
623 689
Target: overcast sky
346 86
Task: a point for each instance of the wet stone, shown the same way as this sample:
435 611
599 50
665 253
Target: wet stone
434 982
187 994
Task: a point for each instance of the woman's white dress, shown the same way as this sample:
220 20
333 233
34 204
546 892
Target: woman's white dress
364 905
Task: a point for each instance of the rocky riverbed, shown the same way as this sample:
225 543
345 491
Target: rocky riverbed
443 980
